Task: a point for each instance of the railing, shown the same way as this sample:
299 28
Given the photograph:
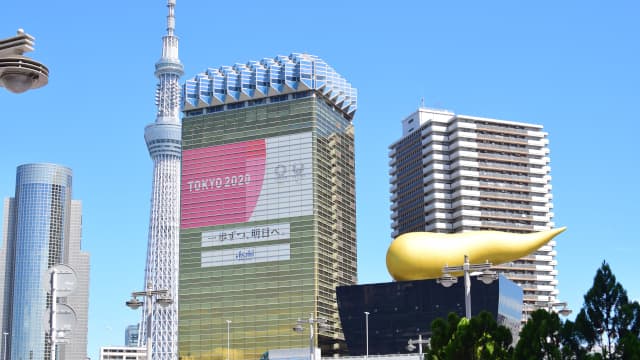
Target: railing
501 128
504 186
493 165
504 204
505 157
489 146
505 195
501 137
503 224
504 176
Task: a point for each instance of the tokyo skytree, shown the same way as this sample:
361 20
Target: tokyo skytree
164 144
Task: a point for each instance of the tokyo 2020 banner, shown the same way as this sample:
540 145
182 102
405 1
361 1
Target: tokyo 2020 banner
247 181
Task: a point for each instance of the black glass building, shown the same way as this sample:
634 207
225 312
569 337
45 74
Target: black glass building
399 311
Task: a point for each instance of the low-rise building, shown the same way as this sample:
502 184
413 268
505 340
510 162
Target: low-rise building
122 353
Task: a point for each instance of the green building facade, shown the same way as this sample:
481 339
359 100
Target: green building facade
268 222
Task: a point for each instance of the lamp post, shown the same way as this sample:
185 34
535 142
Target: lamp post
322 324
559 307
19 73
228 339
4 345
482 271
412 344
151 297
366 325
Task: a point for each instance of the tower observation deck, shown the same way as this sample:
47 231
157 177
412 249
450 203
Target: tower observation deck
164 144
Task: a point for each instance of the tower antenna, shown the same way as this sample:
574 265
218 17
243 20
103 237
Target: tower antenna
159 331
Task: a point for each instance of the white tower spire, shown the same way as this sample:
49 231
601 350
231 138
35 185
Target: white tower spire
163 140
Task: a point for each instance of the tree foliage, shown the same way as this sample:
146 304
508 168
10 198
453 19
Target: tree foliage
540 338
480 338
607 317
607 327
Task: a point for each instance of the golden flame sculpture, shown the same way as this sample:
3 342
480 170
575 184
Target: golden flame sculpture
422 255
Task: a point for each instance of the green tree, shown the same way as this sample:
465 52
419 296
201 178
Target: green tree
571 343
441 333
607 317
540 338
629 347
480 338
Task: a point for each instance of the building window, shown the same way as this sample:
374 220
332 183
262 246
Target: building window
302 94
237 105
194 112
279 98
212 109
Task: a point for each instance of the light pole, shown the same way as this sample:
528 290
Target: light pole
482 271
366 325
4 345
19 73
322 324
412 344
151 297
560 307
228 339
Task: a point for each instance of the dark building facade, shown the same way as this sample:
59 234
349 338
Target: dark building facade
399 311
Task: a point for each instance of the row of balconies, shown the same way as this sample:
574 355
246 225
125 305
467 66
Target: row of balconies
444 176
440 155
520 139
471 127
436 191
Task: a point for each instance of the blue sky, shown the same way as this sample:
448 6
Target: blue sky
571 66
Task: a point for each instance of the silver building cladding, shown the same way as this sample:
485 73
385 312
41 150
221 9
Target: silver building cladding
41 228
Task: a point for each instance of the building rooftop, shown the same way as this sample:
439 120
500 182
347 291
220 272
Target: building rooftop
269 77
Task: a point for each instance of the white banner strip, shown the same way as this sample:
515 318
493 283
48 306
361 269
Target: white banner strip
246 255
249 234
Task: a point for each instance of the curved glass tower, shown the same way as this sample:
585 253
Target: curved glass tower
43 195
164 144
41 229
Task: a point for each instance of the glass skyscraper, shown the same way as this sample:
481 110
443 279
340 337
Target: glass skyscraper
268 207
132 335
42 228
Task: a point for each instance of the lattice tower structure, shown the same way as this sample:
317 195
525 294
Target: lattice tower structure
164 144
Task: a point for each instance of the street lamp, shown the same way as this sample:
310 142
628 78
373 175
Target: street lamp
322 325
412 344
151 297
559 307
482 271
19 73
4 345
228 339
366 324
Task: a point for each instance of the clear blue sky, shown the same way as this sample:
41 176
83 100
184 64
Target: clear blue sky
571 66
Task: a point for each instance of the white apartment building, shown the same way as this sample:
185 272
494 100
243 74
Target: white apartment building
454 173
